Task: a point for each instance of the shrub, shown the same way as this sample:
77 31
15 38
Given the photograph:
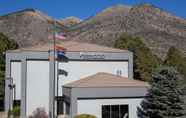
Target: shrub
85 116
15 111
39 113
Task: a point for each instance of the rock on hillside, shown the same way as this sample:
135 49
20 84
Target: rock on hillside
70 21
159 29
27 27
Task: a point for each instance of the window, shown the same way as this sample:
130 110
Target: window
115 111
60 106
17 103
106 111
119 72
124 111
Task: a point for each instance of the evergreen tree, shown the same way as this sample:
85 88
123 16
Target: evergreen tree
5 44
144 60
175 58
164 98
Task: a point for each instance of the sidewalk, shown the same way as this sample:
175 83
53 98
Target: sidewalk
3 115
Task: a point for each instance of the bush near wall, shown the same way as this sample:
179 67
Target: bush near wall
39 113
15 112
85 116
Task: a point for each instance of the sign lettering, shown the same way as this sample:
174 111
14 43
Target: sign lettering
91 56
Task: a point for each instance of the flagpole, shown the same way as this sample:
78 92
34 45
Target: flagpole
55 37
54 45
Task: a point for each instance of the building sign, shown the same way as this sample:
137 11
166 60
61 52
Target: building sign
92 56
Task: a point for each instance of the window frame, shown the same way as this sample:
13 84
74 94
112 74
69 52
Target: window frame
110 109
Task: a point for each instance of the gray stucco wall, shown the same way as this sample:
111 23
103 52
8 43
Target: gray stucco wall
102 93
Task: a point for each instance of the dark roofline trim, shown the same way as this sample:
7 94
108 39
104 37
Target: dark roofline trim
119 51
92 60
145 86
92 98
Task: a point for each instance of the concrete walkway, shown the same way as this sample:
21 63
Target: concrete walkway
3 115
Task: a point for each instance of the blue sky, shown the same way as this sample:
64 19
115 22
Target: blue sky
85 8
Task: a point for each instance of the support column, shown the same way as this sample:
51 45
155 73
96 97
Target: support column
64 108
51 85
23 87
8 94
73 106
7 100
130 68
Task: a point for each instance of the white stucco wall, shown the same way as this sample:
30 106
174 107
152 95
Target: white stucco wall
16 75
80 69
94 107
38 78
37 86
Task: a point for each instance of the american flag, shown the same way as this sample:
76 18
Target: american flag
60 48
58 36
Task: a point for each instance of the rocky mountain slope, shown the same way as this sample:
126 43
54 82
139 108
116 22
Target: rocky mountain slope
159 29
27 27
70 21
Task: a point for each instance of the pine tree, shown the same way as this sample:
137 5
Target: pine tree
5 44
176 59
144 60
164 98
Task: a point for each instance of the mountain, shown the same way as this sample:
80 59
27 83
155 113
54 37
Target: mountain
70 21
27 27
159 29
